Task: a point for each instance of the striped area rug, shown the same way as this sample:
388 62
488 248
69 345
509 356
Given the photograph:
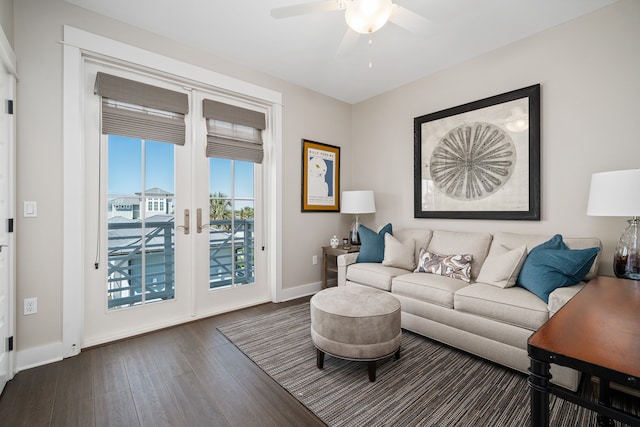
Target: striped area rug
430 385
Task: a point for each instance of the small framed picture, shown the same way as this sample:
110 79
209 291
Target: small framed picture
320 177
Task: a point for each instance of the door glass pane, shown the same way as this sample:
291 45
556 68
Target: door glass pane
243 217
140 218
231 231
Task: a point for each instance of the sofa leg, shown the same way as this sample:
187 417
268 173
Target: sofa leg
371 365
320 358
398 353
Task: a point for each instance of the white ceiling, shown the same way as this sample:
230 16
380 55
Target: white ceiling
302 49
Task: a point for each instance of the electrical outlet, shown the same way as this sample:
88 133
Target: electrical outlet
314 260
30 306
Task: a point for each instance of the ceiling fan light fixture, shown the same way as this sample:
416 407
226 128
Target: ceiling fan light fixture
367 16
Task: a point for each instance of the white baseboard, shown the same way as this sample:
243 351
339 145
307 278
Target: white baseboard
38 356
299 291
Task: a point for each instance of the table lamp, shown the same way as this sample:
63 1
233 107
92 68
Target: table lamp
617 193
357 202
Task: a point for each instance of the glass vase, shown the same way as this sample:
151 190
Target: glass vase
626 262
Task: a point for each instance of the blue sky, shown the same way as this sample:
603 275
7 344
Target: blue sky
125 169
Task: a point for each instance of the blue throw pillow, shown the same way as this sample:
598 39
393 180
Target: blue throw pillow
372 244
552 265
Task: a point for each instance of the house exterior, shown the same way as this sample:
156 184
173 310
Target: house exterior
158 201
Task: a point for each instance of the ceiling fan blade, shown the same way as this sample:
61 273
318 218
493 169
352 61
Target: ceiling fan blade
347 44
306 8
411 21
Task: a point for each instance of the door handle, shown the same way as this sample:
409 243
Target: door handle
199 220
186 222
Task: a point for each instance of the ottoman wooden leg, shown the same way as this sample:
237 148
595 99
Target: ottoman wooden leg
319 358
371 365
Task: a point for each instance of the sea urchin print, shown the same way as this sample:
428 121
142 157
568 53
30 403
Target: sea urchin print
473 161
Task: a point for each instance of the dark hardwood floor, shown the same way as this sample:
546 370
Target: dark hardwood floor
189 375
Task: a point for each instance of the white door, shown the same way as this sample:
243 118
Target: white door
229 255
7 84
161 255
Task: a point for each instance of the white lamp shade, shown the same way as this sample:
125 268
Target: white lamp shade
358 202
615 193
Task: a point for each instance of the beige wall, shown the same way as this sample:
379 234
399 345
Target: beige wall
6 19
588 70
39 151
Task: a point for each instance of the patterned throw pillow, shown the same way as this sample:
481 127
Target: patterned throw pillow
456 266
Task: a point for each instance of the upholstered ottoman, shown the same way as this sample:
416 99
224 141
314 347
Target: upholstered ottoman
355 323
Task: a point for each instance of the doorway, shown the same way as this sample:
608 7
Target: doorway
7 211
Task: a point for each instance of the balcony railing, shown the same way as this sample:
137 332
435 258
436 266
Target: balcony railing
231 255
141 267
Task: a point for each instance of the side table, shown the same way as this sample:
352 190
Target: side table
330 260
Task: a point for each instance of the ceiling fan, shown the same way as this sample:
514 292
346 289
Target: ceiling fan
362 17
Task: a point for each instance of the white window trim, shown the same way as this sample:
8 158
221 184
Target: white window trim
77 45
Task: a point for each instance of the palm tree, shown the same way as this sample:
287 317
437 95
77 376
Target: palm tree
245 213
219 206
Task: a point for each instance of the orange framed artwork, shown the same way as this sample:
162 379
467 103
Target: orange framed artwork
320 177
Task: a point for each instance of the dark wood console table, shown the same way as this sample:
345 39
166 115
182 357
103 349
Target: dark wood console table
330 261
596 332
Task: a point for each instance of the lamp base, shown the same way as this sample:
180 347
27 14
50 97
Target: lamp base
626 261
354 236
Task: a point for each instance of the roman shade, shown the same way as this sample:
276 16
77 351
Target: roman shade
233 132
140 110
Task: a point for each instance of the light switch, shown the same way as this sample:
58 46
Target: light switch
30 209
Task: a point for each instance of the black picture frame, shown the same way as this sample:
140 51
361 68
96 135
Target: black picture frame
480 160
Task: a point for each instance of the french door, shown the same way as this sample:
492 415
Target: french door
177 235
228 238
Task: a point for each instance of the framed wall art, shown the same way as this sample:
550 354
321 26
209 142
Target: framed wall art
480 160
320 177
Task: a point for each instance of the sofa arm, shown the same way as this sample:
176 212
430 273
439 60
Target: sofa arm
561 296
343 262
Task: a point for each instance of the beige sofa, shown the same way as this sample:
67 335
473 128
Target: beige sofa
483 319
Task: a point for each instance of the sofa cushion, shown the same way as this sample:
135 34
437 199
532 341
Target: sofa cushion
372 243
454 266
451 242
429 288
515 306
399 254
552 265
373 274
502 266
